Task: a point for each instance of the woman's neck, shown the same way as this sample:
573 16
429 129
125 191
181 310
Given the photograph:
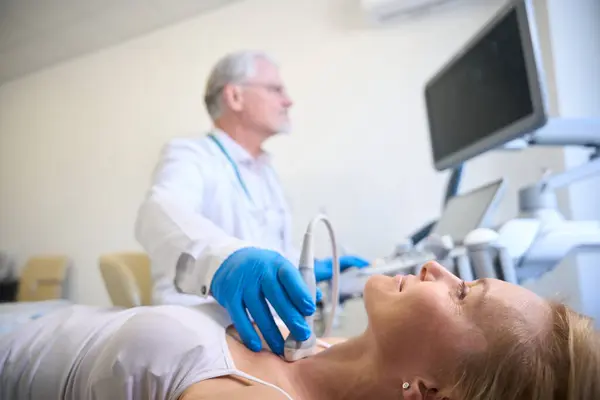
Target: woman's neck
347 370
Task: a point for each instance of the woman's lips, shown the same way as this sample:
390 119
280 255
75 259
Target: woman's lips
399 279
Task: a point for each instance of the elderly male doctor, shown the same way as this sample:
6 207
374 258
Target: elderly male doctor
216 223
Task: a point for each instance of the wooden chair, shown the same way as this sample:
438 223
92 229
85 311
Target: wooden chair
43 278
127 277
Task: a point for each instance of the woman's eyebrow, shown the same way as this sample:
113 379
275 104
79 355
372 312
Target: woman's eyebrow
485 283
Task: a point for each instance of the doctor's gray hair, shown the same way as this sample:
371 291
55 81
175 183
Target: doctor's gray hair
234 67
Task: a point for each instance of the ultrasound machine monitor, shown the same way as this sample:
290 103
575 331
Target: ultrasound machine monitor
490 93
469 211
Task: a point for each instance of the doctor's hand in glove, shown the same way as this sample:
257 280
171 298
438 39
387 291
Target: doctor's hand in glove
324 267
249 278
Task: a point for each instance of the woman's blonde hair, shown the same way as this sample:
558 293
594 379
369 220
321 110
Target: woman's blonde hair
562 362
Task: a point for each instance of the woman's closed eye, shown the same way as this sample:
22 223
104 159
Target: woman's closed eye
463 289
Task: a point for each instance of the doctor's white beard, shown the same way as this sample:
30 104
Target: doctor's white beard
285 129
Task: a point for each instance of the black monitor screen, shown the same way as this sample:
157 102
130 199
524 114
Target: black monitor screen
483 91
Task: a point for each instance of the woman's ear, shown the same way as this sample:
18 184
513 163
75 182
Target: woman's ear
411 390
419 389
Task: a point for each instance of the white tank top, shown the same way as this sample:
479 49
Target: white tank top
83 352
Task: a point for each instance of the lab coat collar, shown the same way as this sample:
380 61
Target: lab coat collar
237 152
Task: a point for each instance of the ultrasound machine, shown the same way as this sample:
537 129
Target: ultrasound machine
491 96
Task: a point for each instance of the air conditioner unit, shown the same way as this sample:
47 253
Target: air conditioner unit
385 10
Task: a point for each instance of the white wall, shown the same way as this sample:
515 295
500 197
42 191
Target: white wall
576 43
78 142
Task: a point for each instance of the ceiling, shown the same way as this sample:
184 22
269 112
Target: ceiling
35 34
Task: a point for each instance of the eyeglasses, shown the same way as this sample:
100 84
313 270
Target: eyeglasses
272 88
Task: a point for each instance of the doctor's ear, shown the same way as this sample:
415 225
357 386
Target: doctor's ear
233 97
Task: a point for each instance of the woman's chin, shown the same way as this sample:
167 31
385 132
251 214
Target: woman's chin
378 286
385 283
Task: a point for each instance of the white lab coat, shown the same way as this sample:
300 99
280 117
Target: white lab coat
196 205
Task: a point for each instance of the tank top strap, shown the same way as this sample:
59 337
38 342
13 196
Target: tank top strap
260 381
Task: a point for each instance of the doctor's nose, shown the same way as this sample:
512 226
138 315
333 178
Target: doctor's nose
286 100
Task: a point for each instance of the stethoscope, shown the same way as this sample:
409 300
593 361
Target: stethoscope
233 165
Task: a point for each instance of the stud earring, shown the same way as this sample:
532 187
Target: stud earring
406 386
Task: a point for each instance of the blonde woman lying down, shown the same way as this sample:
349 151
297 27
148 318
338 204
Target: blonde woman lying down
429 337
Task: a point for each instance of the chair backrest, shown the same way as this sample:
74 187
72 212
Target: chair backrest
127 278
43 278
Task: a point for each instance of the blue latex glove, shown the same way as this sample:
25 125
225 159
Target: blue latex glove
246 280
324 267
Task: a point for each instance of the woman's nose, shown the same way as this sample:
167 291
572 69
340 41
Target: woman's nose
433 271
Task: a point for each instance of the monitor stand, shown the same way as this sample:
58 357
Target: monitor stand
540 237
580 132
